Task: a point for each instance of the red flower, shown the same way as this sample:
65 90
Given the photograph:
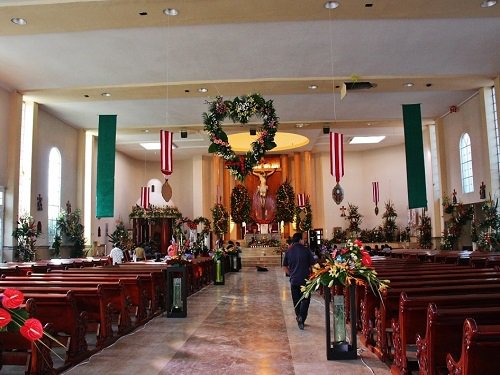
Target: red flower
366 259
32 329
12 298
5 318
358 243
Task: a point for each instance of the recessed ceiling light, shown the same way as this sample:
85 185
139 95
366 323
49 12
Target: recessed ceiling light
19 21
146 130
143 13
313 87
408 84
332 4
202 89
369 123
86 96
488 3
171 12
106 94
299 125
366 140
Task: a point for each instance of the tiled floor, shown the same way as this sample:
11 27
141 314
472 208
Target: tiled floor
246 326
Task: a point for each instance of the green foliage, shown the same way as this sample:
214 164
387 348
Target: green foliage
425 232
26 234
56 245
220 218
119 236
69 225
389 221
240 204
285 203
354 218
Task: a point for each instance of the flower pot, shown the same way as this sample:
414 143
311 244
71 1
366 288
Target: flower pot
219 272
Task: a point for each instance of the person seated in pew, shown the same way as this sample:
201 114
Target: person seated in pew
116 255
140 253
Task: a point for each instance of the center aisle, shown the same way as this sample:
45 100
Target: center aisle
246 326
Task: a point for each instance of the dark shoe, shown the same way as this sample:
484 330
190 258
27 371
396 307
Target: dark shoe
300 322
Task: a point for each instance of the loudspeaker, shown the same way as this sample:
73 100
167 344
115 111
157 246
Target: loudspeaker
326 130
253 131
184 134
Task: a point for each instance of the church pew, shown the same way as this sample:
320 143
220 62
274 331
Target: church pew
34 357
388 307
116 291
480 343
61 311
96 301
443 334
412 319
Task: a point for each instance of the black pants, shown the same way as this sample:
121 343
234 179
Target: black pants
302 308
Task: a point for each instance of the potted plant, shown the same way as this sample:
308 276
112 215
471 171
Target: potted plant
68 224
26 234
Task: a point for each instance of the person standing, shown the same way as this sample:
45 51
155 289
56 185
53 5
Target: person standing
116 255
297 263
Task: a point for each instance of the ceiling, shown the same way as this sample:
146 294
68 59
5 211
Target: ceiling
70 52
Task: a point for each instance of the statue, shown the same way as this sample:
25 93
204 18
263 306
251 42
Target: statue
262 188
39 204
68 207
482 191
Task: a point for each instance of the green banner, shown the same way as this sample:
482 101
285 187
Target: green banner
105 190
414 146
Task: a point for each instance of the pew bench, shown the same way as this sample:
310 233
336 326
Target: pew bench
480 344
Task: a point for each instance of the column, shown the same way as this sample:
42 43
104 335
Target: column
284 167
226 197
297 176
216 166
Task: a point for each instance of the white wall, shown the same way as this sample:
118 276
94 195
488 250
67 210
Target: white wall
467 119
4 139
387 166
51 132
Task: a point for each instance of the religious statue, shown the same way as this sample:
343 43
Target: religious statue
454 199
68 207
39 204
482 191
262 188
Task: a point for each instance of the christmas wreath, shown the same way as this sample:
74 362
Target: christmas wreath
205 222
240 110
285 203
221 218
240 204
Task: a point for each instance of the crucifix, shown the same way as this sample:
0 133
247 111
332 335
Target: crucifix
343 211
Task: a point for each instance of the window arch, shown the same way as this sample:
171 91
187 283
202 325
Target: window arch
466 164
54 189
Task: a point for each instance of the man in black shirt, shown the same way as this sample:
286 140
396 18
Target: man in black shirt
297 263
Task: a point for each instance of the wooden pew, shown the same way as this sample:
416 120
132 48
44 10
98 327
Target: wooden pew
388 307
61 311
480 344
412 320
443 334
34 357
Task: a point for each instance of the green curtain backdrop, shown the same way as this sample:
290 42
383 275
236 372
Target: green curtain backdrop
105 197
414 146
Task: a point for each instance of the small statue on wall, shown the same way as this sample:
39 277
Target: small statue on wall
39 203
482 191
68 207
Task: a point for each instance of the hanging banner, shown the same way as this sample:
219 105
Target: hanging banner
105 185
414 147
376 195
301 200
145 192
337 155
166 153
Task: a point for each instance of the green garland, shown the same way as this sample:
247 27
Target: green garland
285 203
220 219
240 204
306 224
240 110
205 222
154 212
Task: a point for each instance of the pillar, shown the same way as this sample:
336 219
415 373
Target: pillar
226 197
284 167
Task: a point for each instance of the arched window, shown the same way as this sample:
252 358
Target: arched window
54 196
466 164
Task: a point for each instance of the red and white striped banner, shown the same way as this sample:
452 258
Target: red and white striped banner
167 166
337 155
145 197
301 200
375 192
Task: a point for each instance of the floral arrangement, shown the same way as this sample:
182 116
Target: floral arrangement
303 217
344 266
354 217
447 204
425 231
26 234
220 218
240 204
389 221
154 212
240 110
285 203
68 223
218 254
14 318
